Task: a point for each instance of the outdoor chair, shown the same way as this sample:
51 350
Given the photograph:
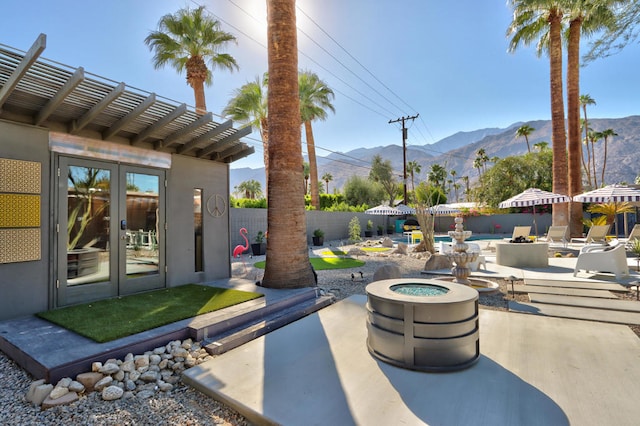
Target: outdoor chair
597 234
480 261
634 235
557 234
520 231
611 259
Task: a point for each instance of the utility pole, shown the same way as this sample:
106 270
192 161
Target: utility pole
404 152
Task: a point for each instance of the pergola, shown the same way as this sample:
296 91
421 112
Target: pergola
44 93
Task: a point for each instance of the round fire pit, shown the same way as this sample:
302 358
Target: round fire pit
421 324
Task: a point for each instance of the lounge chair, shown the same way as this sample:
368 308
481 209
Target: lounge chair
557 234
520 231
480 261
603 259
597 234
634 235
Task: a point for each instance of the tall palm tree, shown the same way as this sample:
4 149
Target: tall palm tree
315 100
585 18
413 168
327 177
593 138
524 131
467 190
586 163
288 263
188 40
541 146
249 106
540 21
586 100
305 174
606 134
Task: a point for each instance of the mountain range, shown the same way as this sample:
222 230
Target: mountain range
458 151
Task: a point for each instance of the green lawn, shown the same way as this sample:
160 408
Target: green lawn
323 263
133 314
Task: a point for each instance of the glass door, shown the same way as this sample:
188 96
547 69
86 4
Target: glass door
110 230
142 241
87 268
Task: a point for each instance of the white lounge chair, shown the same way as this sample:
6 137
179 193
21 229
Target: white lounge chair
557 234
603 259
597 234
634 235
480 261
520 231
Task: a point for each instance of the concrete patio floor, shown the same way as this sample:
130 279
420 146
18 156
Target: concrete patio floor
533 370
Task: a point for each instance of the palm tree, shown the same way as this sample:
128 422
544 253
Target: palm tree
467 191
305 173
327 177
606 134
541 146
524 131
287 263
584 101
187 40
250 188
315 100
541 21
413 168
593 138
249 106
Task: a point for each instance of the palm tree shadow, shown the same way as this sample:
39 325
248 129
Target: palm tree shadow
486 394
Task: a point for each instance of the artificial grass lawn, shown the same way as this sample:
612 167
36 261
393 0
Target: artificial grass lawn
336 252
111 319
324 263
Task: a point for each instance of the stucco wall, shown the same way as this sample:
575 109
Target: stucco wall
185 175
24 286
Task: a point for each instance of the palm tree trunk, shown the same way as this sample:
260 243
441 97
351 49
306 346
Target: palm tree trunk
573 118
288 263
313 165
586 143
198 92
559 139
604 161
264 133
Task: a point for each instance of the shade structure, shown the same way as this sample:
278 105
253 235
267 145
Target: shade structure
610 194
406 209
533 197
383 210
443 209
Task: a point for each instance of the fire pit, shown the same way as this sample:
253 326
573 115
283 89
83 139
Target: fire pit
421 324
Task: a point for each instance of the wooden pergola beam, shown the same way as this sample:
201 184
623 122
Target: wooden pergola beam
27 61
205 137
120 124
159 125
79 124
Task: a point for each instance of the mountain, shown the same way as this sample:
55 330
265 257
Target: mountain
457 152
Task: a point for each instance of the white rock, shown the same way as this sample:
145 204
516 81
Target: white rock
180 352
111 393
40 393
32 388
163 364
141 361
154 359
64 382
96 366
128 357
128 366
109 368
134 375
149 376
76 386
58 391
118 375
187 344
160 350
103 383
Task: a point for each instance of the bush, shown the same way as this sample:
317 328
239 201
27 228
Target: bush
354 229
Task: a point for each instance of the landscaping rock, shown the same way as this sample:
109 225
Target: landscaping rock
65 399
89 380
436 262
387 242
103 383
111 393
58 391
32 389
40 393
386 272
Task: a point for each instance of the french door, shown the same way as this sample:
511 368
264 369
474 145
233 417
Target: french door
110 230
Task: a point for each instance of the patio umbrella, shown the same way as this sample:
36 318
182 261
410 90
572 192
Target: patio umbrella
406 209
443 209
610 194
383 210
533 197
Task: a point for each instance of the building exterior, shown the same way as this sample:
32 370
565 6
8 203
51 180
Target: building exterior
105 190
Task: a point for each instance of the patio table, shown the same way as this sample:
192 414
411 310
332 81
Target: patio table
522 255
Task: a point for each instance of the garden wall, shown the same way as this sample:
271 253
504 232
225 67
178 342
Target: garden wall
336 224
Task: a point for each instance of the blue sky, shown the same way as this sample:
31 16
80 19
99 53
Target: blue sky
447 61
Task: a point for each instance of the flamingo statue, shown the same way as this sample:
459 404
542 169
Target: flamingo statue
237 252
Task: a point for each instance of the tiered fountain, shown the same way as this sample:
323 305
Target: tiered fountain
461 257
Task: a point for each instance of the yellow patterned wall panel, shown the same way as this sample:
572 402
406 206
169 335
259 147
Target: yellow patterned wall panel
19 245
19 210
19 176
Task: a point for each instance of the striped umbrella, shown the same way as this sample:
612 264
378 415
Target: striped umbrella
610 194
533 197
443 209
383 210
406 209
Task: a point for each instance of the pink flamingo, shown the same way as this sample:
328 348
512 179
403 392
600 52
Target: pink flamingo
237 252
